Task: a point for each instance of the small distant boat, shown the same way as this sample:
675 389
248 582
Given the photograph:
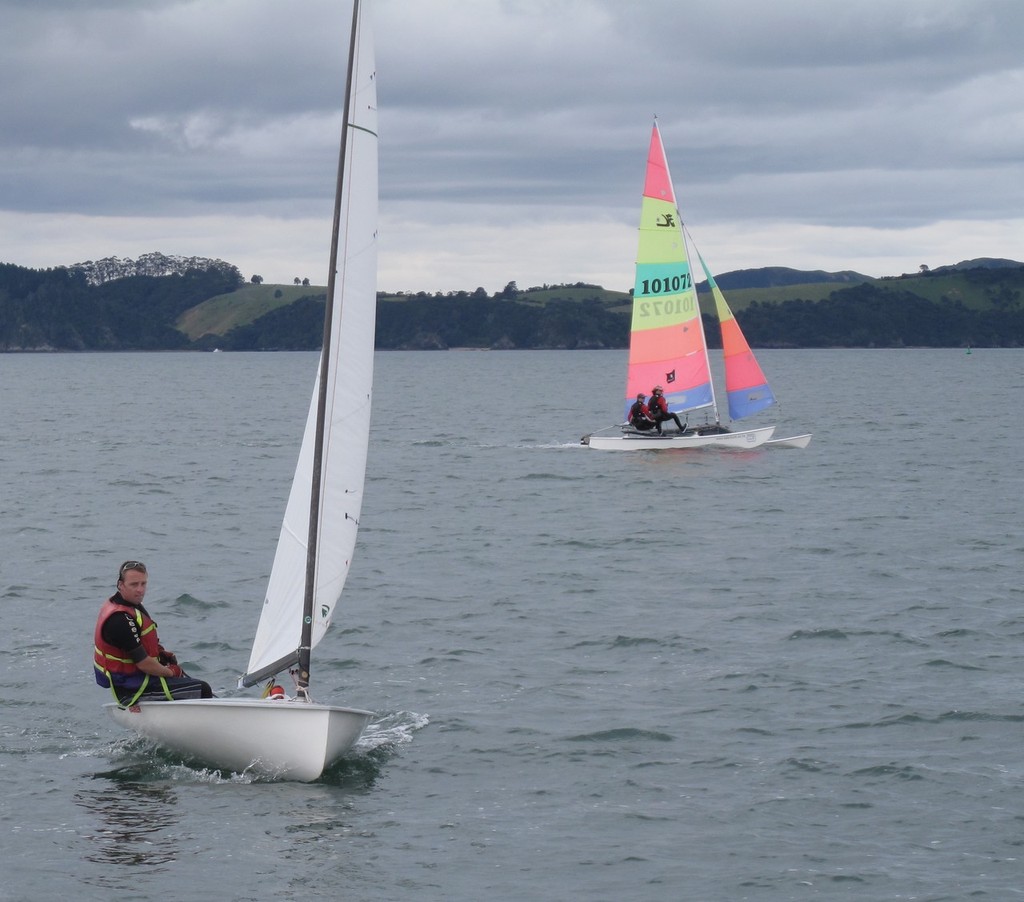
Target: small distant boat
277 736
667 343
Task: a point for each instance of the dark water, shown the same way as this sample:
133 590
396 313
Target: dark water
762 675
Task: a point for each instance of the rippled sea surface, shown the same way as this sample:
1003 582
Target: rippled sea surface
765 675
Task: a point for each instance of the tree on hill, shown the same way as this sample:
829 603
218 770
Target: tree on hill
110 269
59 310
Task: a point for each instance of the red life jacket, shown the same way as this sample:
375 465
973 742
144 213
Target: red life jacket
639 411
109 658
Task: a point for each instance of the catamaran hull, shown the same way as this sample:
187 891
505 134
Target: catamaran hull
750 438
283 739
792 441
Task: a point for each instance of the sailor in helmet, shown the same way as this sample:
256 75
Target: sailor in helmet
640 416
659 409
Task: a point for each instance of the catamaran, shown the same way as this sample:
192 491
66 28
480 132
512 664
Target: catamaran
667 344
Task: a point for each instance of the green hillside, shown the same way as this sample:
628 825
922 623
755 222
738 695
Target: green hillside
220 314
978 289
740 298
209 306
975 289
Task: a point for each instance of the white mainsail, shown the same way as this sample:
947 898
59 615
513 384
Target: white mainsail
349 378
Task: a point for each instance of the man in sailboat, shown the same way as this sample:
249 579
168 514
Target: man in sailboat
640 415
128 657
659 409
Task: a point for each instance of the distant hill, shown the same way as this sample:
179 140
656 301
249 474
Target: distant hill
980 263
161 302
981 306
62 310
781 276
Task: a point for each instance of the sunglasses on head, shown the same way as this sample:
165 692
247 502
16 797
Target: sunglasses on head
131 565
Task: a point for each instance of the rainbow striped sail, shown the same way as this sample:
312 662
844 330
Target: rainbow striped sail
745 383
667 345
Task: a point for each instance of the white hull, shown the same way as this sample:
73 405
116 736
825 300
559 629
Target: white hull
629 441
285 739
793 441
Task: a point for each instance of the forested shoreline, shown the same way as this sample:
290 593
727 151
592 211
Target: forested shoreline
63 309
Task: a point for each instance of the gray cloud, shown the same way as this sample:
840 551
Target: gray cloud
494 114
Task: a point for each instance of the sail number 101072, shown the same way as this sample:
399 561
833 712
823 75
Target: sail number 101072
678 285
666 285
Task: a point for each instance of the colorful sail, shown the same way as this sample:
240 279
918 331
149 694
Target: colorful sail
745 383
667 345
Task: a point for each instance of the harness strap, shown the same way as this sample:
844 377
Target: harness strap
103 654
142 688
145 682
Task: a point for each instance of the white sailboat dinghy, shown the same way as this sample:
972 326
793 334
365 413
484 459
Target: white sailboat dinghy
296 738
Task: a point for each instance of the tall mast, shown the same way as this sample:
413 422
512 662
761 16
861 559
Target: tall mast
306 639
689 263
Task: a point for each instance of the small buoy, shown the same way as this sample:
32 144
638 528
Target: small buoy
276 692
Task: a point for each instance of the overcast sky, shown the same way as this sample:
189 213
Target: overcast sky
872 135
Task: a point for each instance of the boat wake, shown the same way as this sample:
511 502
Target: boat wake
390 730
142 761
